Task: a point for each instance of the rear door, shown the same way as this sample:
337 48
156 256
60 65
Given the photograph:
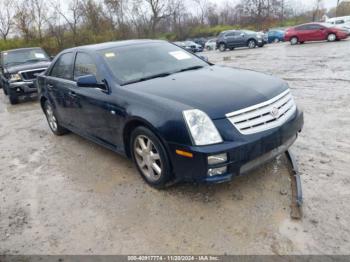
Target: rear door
59 85
240 38
230 39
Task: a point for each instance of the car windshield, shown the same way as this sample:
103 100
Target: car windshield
18 57
136 63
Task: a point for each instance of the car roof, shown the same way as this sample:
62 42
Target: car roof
20 49
108 45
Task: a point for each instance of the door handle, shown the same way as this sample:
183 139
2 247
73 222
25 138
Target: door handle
49 87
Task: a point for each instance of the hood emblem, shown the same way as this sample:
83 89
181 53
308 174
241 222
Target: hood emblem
275 113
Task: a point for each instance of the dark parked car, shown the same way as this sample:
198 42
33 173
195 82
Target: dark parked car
177 116
314 32
18 70
275 36
190 46
239 38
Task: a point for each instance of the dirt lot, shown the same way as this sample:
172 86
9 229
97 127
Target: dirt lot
66 195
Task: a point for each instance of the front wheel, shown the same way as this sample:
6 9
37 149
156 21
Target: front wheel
150 157
4 89
331 37
251 44
13 99
55 127
294 41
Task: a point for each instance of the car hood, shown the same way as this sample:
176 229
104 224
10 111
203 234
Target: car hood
215 90
29 66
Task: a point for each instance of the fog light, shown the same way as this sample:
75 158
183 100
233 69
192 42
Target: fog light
217 159
217 171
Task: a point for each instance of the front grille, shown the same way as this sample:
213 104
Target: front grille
31 74
264 116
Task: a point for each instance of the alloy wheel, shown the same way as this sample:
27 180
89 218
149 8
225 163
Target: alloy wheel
148 158
331 37
294 41
222 47
251 44
51 118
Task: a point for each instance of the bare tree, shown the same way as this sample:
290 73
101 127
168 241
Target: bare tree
24 19
6 18
71 16
159 11
39 10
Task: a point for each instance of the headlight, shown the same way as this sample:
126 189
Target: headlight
201 128
15 77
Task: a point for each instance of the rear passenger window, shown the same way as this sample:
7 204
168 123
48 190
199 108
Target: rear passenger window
63 67
84 65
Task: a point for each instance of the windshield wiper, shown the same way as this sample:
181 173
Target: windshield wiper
147 78
190 68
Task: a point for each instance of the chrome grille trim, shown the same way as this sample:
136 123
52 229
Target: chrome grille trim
33 71
260 117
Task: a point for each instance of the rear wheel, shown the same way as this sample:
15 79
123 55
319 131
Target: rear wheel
251 44
222 47
294 40
55 127
150 157
331 37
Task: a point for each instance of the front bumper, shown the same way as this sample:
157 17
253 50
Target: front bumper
22 88
245 154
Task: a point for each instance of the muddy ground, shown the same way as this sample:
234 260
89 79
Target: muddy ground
66 195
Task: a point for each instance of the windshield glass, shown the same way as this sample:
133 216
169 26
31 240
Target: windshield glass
137 63
24 56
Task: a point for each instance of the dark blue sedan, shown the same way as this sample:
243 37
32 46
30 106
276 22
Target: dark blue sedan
178 117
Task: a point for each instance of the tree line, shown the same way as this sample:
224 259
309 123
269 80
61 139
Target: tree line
55 24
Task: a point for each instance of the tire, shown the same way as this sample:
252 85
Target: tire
13 99
222 47
294 40
331 37
276 40
251 44
4 89
150 157
55 127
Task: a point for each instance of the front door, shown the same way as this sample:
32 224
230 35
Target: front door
99 113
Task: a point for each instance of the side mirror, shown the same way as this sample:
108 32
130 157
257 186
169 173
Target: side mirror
89 81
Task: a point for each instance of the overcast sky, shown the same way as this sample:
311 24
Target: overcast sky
306 3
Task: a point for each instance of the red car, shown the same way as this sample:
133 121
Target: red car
314 32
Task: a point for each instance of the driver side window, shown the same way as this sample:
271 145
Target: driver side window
84 65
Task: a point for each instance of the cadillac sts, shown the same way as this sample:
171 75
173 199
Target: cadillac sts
178 117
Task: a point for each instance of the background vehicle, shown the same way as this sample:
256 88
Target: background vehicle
275 36
155 103
239 38
190 46
314 32
19 68
210 44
